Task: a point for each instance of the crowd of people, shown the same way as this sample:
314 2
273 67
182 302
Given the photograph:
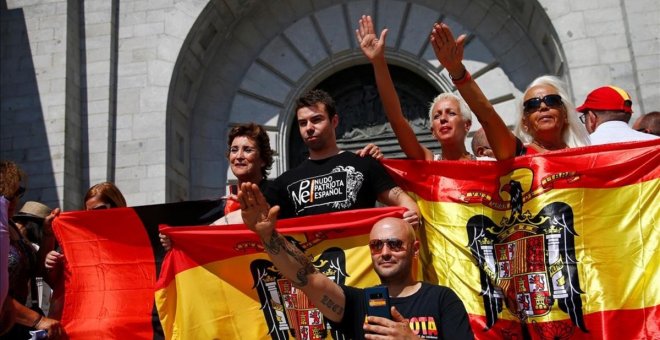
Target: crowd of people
329 180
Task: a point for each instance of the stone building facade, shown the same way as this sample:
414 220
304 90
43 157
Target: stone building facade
142 92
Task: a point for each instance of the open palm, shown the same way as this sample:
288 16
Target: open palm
448 50
372 46
255 210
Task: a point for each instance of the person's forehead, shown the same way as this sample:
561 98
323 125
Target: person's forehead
389 229
446 103
242 140
313 110
540 91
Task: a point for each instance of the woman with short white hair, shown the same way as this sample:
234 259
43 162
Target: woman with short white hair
450 116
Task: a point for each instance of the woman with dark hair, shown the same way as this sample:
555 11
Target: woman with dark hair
103 195
250 159
23 262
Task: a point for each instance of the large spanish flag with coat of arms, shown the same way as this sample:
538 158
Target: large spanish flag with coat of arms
562 245
218 283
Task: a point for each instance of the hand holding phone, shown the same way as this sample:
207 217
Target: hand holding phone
378 302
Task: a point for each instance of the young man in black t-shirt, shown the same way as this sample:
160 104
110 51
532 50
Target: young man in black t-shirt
332 180
419 310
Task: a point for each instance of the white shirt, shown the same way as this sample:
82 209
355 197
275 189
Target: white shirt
616 131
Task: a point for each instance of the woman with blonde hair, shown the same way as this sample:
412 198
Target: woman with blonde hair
449 115
546 120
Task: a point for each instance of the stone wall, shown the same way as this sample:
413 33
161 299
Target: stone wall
131 91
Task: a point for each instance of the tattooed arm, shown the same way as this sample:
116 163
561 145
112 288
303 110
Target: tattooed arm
289 260
397 197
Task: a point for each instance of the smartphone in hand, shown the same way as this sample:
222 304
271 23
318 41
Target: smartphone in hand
378 301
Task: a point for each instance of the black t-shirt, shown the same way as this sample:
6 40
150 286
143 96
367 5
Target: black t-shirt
435 312
341 182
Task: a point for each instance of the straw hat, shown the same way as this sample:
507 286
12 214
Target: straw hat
33 210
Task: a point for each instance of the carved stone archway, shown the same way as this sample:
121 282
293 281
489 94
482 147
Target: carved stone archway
248 61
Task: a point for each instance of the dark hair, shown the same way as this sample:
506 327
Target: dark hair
109 193
259 135
650 123
315 97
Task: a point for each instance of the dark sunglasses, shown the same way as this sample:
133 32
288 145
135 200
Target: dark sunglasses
376 246
533 104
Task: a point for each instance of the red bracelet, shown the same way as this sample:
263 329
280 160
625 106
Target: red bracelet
462 80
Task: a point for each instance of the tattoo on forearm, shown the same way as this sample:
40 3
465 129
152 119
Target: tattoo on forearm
308 268
396 192
336 308
276 243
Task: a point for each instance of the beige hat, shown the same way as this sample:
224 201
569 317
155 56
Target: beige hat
32 209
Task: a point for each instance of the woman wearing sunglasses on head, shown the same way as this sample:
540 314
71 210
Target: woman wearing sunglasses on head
547 119
103 195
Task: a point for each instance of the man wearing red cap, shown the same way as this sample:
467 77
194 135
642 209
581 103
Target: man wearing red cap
605 114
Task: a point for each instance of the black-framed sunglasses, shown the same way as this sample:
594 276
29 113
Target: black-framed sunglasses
376 246
533 104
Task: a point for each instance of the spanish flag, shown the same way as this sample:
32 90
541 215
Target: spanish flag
112 261
218 283
558 245
554 246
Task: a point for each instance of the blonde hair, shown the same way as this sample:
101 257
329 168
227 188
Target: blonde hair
574 134
108 192
462 105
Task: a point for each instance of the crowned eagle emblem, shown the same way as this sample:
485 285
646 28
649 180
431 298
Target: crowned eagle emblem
527 261
286 309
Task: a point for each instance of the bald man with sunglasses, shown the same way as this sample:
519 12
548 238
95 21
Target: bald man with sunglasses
393 248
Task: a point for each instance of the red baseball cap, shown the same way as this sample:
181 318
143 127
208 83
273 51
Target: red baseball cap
607 98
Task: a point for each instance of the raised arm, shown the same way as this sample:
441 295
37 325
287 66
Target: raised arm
449 52
397 197
374 49
289 260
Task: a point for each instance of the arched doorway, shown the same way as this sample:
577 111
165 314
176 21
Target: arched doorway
249 62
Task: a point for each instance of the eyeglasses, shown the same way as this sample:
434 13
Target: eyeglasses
376 246
583 117
533 104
